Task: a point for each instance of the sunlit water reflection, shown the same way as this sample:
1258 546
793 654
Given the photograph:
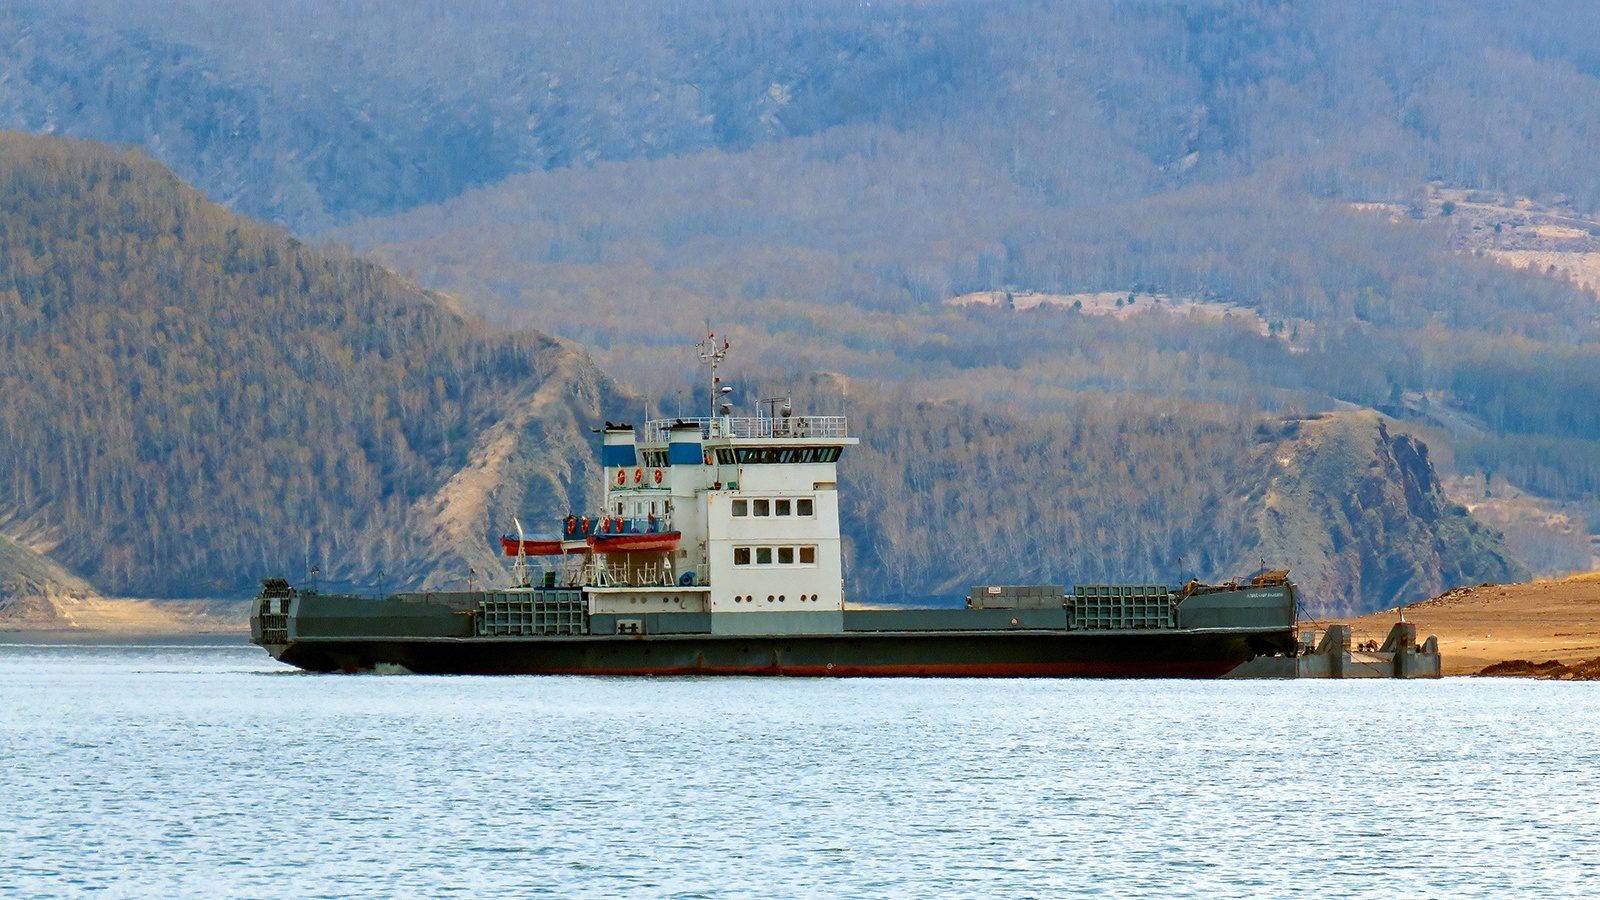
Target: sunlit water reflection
146 772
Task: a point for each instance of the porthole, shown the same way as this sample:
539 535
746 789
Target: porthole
813 598
769 598
780 598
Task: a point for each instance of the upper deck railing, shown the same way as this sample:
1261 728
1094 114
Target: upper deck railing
793 427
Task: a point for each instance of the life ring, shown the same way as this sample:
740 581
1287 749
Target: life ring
708 457
585 524
658 476
622 477
605 525
572 524
638 475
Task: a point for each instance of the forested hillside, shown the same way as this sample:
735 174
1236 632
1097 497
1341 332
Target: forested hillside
817 255
1257 184
189 400
944 495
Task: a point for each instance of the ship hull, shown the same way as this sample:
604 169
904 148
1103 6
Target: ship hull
1005 655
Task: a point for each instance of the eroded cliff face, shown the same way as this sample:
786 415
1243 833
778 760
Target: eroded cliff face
36 592
537 462
1358 515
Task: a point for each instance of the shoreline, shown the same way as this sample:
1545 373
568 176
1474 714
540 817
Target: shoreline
56 637
1496 625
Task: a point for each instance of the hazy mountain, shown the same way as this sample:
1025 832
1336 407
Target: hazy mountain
311 112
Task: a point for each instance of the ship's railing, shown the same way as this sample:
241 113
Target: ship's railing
660 430
576 528
646 575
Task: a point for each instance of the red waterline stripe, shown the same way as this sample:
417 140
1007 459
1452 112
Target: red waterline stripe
1199 669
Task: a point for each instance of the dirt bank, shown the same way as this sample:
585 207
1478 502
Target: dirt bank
94 618
1498 623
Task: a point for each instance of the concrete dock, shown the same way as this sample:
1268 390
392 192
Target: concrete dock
1400 656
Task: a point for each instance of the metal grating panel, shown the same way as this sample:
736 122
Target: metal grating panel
274 628
1122 607
540 612
273 610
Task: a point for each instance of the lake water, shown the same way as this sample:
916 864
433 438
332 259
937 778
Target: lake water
205 772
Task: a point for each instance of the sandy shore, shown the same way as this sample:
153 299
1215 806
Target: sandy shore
1480 626
107 620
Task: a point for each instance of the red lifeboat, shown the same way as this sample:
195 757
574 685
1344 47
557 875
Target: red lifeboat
534 546
657 542
603 534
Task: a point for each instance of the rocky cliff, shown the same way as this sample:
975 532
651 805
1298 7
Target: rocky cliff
1359 515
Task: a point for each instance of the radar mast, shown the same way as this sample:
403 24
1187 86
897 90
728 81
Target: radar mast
711 352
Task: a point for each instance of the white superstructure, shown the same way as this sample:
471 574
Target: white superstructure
756 505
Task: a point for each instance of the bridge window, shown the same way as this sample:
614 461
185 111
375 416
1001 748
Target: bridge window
780 455
803 507
808 555
763 507
741 556
785 556
780 507
763 556
741 507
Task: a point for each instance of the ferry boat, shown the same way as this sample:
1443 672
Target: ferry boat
716 551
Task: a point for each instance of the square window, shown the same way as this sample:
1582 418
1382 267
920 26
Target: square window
780 507
785 556
763 507
808 555
804 507
741 507
741 556
763 556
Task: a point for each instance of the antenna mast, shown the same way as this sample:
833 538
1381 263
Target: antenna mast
711 353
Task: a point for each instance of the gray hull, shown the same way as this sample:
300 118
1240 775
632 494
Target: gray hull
443 634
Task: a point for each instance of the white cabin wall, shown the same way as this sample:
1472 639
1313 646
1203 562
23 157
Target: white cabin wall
823 578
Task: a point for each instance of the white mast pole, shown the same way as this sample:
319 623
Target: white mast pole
713 354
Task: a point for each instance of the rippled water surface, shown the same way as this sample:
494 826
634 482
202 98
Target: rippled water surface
165 772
